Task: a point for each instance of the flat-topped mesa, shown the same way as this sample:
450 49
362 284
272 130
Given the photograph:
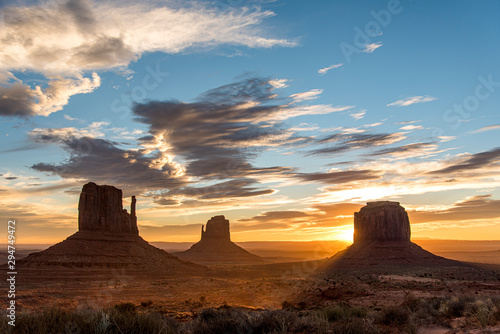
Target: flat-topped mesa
217 228
101 209
381 221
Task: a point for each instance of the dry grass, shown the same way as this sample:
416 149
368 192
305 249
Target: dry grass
411 316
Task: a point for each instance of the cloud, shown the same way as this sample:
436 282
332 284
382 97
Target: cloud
411 100
369 48
446 138
472 208
69 118
310 95
339 177
278 83
407 122
232 189
410 150
213 138
343 142
411 127
275 215
487 128
476 161
358 115
20 100
323 71
318 216
224 128
64 41
129 170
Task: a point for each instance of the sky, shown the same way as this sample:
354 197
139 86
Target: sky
284 116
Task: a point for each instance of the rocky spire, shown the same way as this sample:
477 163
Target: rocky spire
381 221
101 209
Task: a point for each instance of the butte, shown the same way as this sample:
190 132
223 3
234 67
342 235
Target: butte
216 247
382 238
107 237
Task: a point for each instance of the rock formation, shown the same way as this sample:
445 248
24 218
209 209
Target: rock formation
108 237
381 221
100 209
216 247
217 229
382 237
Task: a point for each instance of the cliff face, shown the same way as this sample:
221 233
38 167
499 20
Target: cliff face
101 209
217 228
381 221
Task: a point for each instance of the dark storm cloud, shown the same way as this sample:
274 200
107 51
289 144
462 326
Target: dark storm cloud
475 207
475 161
341 177
100 161
341 142
238 188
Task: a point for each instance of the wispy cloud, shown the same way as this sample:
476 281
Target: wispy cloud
358 115
471 208
472 162
69 118
369 48
323 71
412 100
412 127
340 142
309 95
487 128
409 151
278 83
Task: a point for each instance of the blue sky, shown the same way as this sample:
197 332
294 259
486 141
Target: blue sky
285 116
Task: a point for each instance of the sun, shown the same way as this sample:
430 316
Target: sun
345 234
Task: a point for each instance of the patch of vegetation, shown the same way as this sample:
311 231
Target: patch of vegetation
409 317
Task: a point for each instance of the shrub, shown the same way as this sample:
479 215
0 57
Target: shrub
394 316
454 307
355 326
125 308
343 311
481 312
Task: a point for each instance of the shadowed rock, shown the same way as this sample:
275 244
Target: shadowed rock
216 246
382 237
108 237
100 209
217 229
381 221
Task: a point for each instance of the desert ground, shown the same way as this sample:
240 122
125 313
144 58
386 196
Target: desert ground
423 299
